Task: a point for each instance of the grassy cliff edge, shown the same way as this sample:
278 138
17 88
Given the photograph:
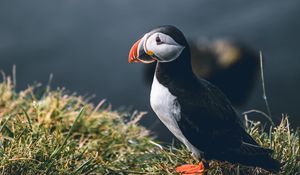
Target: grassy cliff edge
45 131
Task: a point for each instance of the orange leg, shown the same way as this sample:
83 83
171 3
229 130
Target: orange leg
191 169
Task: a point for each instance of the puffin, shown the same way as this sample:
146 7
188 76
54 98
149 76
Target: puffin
195 111
229 64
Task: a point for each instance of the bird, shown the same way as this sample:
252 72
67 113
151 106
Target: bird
229 64
195 111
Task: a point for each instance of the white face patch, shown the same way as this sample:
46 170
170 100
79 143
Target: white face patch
162 46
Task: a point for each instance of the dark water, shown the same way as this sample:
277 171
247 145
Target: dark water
85 44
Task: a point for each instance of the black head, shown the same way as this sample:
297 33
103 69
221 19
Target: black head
162 44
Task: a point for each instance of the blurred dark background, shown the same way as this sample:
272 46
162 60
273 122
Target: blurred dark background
85 44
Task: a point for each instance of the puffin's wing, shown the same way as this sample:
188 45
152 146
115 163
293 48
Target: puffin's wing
207 103
208 118
226 113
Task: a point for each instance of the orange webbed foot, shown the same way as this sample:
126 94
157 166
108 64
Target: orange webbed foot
190 169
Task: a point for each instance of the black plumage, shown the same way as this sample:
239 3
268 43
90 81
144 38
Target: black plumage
230 65
208 120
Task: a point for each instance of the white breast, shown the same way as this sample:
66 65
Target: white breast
167 108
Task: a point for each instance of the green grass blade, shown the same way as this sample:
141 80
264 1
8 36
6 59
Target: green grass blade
59 149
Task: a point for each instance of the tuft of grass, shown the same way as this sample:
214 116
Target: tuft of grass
45 131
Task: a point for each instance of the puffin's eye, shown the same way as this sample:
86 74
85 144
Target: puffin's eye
158 40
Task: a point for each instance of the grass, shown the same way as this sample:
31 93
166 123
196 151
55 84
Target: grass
45 131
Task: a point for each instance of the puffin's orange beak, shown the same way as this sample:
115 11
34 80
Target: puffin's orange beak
133 54
137 54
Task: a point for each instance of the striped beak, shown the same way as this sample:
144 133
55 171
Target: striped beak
137 53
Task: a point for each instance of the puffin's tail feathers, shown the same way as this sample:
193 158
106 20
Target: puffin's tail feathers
253 155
